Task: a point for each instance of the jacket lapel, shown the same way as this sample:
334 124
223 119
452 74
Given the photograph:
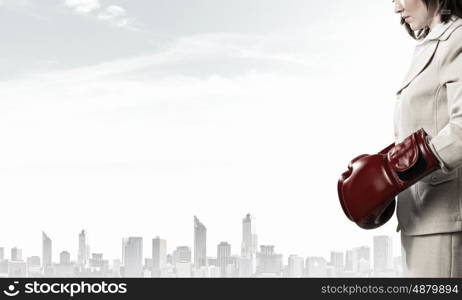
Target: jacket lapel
419 64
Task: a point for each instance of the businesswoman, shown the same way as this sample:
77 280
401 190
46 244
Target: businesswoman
430 97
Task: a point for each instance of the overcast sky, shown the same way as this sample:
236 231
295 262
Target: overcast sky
129 117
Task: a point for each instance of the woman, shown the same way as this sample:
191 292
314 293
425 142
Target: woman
430 97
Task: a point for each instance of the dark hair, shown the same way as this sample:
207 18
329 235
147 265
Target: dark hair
446 9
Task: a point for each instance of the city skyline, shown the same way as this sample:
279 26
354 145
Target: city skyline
184 111
254 260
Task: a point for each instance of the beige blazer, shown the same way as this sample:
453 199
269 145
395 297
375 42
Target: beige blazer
431 97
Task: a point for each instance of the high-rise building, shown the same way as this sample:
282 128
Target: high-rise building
4 267
159 256
244 266
212 261
133 256
17 268
182 254
64 258
223 257
336 261
2 253
349 254
33 261
116 266
83 250
398 266
295 266
181 260
147 264
34 268
97 261
183 270
383 254
249 245
16 254
65 268
361 260
46 252
315 266
249 237
200 244
268 262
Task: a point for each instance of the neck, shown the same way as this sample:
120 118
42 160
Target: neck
434 21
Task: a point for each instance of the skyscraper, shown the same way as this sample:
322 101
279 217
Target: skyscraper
249 237
182 261
268 262
16 254
336 261
133 256
64 258
249 246
34 267
383 254
349 255
223 257
200 244
82 253
182 254
315 266
361 260
46 252
159 256
295 266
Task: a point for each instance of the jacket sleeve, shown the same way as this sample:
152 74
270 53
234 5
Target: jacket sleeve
447 144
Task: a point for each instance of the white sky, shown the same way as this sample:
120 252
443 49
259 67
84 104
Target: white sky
126 118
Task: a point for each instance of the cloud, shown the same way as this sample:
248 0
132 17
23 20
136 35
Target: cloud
231 53
83 6
114 14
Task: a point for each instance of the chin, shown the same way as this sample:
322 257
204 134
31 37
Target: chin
415 27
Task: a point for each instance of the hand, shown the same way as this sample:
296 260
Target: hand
368 188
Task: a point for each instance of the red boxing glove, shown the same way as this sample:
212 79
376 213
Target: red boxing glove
368 188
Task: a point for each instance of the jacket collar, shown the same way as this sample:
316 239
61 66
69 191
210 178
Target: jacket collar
421 61
437 32
444 30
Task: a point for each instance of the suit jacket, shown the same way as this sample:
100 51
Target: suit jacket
430 97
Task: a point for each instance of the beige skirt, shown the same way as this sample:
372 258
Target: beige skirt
432 255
